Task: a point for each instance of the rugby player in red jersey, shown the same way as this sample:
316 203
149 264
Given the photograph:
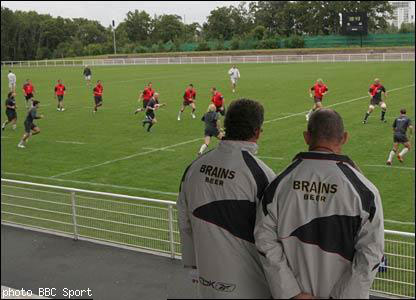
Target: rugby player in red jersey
145 96
28 91
375 95
188 99
59 93
98 95
218 100
319 89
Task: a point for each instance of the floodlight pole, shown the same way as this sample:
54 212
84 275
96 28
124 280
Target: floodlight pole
114 38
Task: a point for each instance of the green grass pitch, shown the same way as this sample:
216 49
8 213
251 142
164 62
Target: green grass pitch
110 151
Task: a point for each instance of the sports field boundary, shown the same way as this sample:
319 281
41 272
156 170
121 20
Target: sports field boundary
302 58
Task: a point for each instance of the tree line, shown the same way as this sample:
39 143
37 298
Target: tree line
29 35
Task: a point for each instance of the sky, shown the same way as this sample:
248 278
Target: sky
105 11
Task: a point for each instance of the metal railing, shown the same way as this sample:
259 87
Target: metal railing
150 225
307 58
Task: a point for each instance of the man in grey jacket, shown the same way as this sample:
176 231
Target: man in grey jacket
320 230
218 198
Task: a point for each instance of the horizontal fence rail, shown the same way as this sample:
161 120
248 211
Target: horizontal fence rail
150 225
307 58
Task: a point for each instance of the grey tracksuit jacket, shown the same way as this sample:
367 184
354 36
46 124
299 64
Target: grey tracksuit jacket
217 204
320 229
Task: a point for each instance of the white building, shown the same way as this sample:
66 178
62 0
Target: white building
403 12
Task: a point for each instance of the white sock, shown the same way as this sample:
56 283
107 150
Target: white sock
404 151
14 126
203 147
4 125
391 155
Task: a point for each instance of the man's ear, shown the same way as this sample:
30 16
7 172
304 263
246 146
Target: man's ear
257 133
307 137
345 138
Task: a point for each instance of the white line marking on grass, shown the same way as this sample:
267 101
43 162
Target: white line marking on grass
125 157
68 142
6 137
335 104
399 222
94 184
270 157
390 167
149 148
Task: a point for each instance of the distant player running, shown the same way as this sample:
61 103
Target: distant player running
400 126
375 92
218 100
28 91
98 96
87 75
30 127
145 96
188 100
234 76
10 111
151 107
211 127
12 81
319 90
59 94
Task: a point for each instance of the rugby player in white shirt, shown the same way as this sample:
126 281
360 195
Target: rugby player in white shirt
12 81
234 76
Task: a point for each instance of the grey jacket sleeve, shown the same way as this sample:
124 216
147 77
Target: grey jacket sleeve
280 277
185 230
356 282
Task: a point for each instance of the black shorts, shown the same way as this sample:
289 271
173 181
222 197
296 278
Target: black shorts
375 101
60 98
145 103
29 96
150 115
221 111
186 102
400 138
98 99
212 132
317 99
29 127
11 115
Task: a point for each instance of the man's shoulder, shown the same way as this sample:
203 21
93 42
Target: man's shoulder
265 168
357 179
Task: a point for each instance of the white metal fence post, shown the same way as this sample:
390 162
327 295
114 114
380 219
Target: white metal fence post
74 216
171 240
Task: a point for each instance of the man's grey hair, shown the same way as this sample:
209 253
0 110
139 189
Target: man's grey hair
326 125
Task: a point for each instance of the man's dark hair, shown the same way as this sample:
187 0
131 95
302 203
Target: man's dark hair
214 88
243 118
9 95
403 111
191 85
326 125
35 102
